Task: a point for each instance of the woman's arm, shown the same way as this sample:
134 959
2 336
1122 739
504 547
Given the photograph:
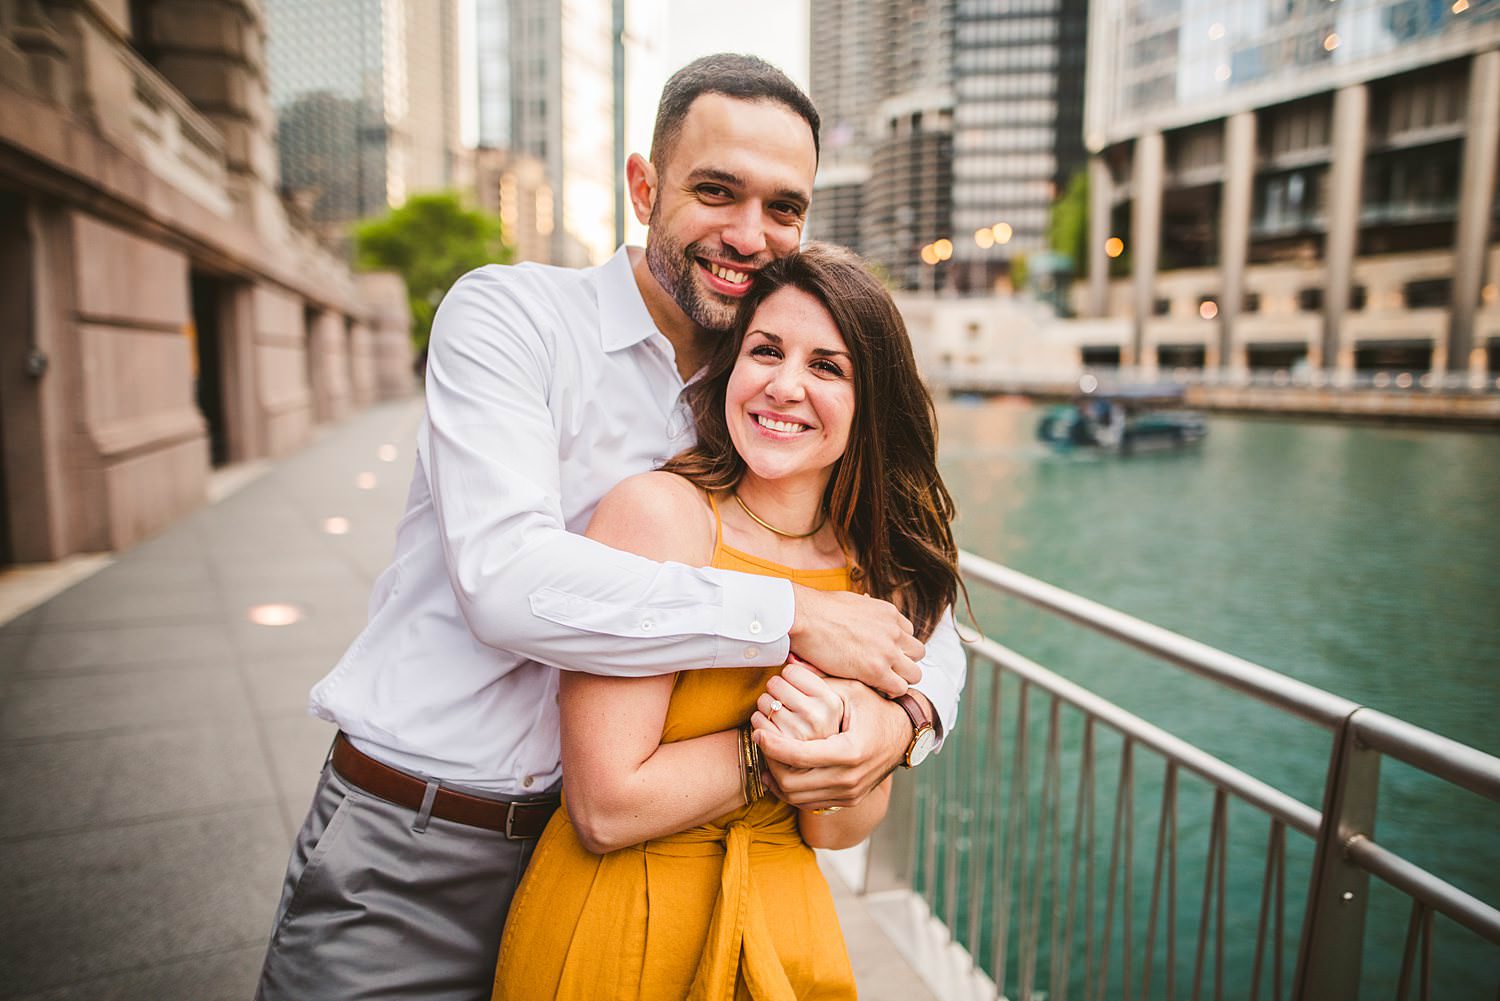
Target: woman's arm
623 785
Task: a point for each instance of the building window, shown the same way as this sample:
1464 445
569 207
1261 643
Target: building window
1161 307
1251 303
1310 300
1358 295
1429 293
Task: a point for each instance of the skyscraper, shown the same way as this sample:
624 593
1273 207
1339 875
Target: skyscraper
945 118
548 90
367 100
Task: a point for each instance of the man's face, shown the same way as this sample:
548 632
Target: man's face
731 197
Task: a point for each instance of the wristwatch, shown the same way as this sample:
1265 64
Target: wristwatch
923 736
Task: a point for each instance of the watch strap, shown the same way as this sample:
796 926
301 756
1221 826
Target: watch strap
914 711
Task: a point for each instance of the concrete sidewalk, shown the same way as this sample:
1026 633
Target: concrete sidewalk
156 757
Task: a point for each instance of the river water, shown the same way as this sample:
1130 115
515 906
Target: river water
1364 560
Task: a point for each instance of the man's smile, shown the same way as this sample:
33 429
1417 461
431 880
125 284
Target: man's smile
725 279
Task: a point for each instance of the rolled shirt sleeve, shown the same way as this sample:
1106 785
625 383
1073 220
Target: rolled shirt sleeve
944 671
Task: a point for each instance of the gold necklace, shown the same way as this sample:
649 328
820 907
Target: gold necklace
772 528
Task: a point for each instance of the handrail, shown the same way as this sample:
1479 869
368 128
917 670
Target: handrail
1013 853
1431 752
1287 809
1297 697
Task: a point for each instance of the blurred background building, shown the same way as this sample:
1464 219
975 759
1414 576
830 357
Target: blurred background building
548 90
160 310
1283 186
366 97
945 119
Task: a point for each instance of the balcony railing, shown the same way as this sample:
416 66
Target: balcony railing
998 881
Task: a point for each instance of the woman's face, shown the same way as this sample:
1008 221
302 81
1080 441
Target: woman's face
790 400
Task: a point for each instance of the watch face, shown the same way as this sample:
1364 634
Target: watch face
921 746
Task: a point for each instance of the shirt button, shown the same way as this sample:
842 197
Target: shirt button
755 627
647 625
751 652
528 780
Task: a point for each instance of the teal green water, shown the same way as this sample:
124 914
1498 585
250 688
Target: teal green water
1364 560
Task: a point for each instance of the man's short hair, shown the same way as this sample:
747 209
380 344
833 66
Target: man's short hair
747 78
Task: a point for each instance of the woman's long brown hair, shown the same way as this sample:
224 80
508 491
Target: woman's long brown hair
885 498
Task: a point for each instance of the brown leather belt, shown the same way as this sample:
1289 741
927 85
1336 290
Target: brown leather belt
514 820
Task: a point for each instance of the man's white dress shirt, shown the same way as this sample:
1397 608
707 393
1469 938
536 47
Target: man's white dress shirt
545 387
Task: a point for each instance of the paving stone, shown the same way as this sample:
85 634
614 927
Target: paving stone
226 975
108 903
50 705
131 598
279 685
111 780
129 645
298 746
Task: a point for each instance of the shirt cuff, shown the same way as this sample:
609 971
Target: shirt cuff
755 619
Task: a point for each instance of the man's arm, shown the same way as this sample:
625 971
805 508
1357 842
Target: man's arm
524 583
843 769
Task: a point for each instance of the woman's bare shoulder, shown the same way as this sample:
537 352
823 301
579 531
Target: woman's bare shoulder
657 515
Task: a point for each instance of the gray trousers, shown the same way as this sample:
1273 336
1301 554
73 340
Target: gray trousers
381 902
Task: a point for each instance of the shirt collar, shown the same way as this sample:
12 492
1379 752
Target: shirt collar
623 318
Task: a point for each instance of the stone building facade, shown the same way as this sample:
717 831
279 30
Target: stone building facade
1302 190
161 312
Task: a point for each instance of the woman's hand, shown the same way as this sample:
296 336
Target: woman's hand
800 704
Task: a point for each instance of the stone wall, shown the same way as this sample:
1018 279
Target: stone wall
141 236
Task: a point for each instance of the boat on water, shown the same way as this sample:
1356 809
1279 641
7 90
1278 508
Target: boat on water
1124 422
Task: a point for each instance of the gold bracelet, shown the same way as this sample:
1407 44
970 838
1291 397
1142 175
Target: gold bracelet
751 785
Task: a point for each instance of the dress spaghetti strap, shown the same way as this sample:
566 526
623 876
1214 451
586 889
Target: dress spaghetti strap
718 525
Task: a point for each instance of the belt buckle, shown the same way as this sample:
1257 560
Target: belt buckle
510 816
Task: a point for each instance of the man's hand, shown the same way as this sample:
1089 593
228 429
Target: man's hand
842 769
854 636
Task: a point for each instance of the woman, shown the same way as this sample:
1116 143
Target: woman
664 875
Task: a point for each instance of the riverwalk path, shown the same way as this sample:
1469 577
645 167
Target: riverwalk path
156 756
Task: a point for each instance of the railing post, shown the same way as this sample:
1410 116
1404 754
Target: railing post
1333 930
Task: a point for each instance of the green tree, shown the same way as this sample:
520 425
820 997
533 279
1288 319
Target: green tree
1068 227
431 241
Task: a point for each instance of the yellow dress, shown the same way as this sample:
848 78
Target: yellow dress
734 909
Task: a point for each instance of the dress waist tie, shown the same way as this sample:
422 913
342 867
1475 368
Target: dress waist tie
738 936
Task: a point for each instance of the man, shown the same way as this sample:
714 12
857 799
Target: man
545 387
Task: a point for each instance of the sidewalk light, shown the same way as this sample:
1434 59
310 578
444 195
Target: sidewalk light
387 452
365 481
274 615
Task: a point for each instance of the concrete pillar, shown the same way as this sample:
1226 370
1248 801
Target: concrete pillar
238 375
283 399
1476 194
328 366
1101 203
1351 113
1234 228
1145 224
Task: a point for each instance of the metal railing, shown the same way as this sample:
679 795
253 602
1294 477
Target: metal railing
984 853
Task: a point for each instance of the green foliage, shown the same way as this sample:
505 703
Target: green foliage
1068 227
1020 270
431 241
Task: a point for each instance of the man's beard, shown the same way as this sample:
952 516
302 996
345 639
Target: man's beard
674 267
